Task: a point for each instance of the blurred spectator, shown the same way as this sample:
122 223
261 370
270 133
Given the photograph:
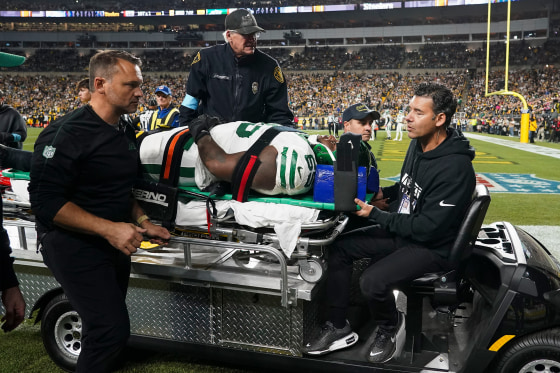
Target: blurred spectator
314 94
166 116
83 91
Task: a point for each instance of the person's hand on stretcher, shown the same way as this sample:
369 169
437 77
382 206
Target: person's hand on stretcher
377 201
154 235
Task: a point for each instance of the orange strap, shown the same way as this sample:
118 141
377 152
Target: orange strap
167 167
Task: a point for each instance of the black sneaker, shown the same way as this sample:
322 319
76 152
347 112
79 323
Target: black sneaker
388 345
331 339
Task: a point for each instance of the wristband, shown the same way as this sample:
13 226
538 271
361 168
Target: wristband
142 219
17 137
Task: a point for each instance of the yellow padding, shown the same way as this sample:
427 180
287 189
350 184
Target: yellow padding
147 245
500 342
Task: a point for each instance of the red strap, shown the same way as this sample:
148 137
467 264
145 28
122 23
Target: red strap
170 153
245 177
208 221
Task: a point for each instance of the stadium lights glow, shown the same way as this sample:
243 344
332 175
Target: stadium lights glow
258 10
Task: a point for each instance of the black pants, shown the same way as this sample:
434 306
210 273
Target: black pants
94 276
393 261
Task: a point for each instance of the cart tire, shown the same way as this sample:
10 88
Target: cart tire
539 352
61 331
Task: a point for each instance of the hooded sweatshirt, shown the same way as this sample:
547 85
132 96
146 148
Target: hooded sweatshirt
12 122
433 194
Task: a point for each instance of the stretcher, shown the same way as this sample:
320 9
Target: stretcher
299 226
296 227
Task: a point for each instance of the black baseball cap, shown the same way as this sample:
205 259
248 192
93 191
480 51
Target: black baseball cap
242 22
359 111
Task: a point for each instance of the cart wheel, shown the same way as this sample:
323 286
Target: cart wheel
61 330
311 270
539 352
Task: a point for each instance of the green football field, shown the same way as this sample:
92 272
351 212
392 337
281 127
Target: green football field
22 350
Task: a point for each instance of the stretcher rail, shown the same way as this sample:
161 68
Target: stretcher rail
189 271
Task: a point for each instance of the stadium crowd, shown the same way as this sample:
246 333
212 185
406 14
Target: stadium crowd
381 57
322 81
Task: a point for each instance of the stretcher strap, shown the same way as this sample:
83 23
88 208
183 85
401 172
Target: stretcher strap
171 167
245 178
211 211
247 167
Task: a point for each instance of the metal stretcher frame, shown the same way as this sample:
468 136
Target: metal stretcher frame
273 279
224 227
276 281
308 251
218 273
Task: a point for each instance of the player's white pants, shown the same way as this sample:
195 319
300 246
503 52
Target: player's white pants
398 135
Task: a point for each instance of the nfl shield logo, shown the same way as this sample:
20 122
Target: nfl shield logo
48 152
255 87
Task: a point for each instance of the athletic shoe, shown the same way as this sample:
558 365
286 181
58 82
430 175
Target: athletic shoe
388 344
331 339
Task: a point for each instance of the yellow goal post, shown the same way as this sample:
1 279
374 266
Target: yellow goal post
524 129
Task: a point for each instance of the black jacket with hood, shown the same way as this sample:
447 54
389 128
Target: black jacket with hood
11 122
444 182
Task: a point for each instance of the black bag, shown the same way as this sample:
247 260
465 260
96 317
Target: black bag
346 172
158 200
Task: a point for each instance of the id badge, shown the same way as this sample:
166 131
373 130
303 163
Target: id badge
404 207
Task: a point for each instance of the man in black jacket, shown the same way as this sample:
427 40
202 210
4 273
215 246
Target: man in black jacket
88 224
12 123
414 237
236 81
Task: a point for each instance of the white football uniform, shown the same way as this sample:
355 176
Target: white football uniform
388 124
400 123
295 162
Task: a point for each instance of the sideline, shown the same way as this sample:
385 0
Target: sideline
532 148
547 234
